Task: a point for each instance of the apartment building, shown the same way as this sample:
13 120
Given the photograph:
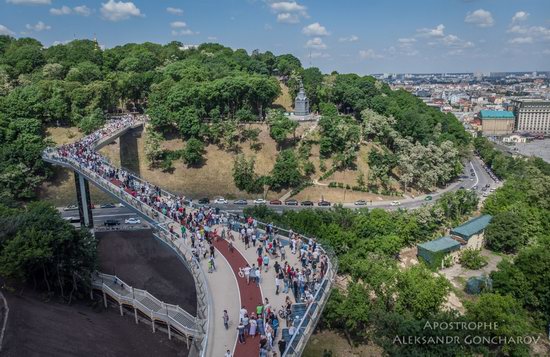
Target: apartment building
532 115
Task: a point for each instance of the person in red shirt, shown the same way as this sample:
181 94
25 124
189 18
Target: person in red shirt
260 261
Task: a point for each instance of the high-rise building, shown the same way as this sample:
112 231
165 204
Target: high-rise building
532 115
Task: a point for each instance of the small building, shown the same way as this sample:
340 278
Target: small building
434 252
471 233
301 103
497 122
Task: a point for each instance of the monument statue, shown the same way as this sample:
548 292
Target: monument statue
301 103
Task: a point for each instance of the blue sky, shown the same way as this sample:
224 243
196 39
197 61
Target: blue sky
362 36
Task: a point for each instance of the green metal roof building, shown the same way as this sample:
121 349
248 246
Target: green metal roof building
433 250
496 114
472 227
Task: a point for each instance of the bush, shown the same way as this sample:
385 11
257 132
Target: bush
472 259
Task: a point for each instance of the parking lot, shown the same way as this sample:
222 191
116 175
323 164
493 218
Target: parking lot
539 148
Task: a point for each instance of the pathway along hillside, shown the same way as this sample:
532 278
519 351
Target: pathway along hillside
309 271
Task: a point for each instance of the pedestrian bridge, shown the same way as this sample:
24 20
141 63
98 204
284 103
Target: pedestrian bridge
197 328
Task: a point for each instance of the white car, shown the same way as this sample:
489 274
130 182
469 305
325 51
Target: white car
220 201
132 220
260 201
395 203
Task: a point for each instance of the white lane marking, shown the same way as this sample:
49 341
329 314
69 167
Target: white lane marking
5 319
475 172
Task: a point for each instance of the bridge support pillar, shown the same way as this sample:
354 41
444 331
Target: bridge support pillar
169 332
135 315
104 299
121 312
84 202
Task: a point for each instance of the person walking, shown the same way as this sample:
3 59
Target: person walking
240 328
228 354
225 319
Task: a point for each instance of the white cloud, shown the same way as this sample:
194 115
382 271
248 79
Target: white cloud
211 38
63 10
455 41
174 11
82 10
39 27
406 40
179 28
315 29
288 18
316 43
29 2
288 6
289 12
520 16
119 10
480 17
352 38
178 24
369 54
535 33
319 55
438 31
521 40
6 31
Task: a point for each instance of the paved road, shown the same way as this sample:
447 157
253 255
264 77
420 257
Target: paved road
480 179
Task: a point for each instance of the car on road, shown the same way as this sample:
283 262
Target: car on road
428 198
323 204
461 188
260 201
107 205
475 187
473 174
240 202
220 201
360 203
306 203
132 220
111 222
292 202
72 219
204 201
275 202
395 203
492 189
71 208
486 194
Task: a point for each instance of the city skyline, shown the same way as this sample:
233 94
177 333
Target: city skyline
372 37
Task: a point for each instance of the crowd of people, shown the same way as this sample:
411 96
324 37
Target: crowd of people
201 225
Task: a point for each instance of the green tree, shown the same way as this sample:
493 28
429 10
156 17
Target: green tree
286 172
192 154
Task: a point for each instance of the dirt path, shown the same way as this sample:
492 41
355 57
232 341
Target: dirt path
145 263
38 328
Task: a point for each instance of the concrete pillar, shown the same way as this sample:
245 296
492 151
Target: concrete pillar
135 314
121 312
169 332
83 199
104 299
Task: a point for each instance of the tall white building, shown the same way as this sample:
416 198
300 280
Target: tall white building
532 115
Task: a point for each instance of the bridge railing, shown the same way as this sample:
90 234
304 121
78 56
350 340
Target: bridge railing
204 299
311 317
133 297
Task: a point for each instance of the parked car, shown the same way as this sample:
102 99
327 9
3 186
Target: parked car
260 201
306 203
428 198
111 222
132 220
275 202
72 219
220 201
240 202
291 202
72 207
107 205
204 201
323 204
395 203
360 203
